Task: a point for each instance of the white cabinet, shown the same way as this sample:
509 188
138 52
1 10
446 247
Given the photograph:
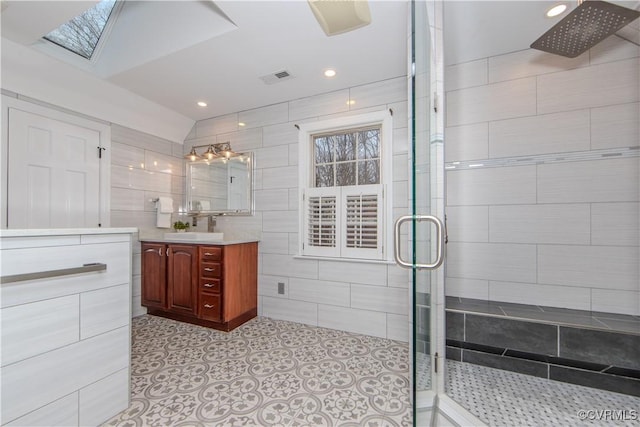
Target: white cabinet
66 339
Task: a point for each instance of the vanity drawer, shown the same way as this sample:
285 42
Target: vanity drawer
210 307
210 285
210 253
210 269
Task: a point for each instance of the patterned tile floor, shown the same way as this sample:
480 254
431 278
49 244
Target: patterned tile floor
277 373
264 373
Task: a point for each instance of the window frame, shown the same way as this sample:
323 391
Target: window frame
306 175
87 64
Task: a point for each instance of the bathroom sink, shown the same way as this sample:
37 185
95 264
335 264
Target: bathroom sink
196 236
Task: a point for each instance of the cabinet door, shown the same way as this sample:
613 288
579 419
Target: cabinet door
182 279
154 275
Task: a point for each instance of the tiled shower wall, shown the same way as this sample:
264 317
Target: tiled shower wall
352 296
543 179
143 167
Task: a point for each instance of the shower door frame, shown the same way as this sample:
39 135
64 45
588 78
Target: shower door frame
426 124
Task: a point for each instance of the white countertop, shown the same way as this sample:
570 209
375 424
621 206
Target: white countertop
199 242
32 232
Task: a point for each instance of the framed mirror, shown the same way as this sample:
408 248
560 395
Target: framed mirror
221 186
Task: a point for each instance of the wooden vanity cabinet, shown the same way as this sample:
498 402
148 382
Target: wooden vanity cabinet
170 277
209 285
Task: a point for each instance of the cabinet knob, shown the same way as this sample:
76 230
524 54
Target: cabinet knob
209 285
208 254
209 306
208 269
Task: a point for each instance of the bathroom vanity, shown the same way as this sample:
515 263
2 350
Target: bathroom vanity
66 325
213 284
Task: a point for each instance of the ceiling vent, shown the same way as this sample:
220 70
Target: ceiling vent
276 77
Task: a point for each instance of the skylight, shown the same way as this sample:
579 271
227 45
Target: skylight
82 34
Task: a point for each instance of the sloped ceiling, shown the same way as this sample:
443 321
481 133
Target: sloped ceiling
175 53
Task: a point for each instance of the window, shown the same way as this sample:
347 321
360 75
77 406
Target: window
81 34
345 174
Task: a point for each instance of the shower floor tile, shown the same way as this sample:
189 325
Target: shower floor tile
503 398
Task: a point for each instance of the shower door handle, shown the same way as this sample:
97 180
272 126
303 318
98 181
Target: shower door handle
439 241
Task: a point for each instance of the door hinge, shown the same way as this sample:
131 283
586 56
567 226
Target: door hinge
100 150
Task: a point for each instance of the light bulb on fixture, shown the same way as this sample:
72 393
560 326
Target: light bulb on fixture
193 156
210 154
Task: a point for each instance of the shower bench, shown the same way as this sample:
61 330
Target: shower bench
599 350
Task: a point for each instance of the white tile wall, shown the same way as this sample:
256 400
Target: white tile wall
549 133
268 286
492 261
580 228
284 265
613 49
468 223
577 298
274 243
366 273
271 200
615 224
352 320
320 291
530 62
320 105
487 186
595 86
615 126
272 157
515 98
283 177
379 93
605 267
610 301
564 223
467 74
377 298
615 180
259 117
398 327
467 288
467 142
285 309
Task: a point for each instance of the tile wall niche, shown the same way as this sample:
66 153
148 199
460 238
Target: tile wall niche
143 168
366 298
543 186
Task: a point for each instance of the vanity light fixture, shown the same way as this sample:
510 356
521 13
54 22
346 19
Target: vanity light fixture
193 156
221 150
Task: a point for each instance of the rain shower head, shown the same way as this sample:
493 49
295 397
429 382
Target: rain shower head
587 25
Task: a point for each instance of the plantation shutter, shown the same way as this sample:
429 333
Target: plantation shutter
362 234
321 221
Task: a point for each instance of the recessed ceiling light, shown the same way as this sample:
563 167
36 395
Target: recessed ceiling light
202 104
329 72
241 124
351 102
556 10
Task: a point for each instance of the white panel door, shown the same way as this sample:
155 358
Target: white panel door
54 173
